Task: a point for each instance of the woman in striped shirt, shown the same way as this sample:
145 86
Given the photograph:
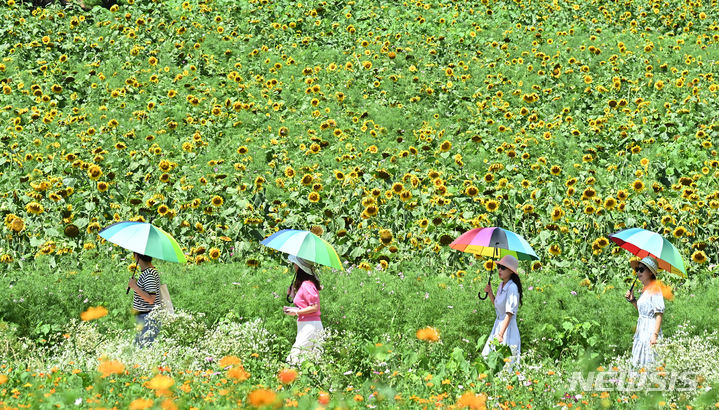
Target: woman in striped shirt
147 296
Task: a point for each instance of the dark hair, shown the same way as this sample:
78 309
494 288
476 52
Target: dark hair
144 258
303 276
515 278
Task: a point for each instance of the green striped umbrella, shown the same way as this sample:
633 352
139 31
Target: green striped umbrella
145 239
642 242
306 245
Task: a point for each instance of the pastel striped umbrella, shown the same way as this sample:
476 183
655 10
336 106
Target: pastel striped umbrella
306 245
494 242
144 238
642 242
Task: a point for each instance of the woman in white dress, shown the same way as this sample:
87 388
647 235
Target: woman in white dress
506 303
650 306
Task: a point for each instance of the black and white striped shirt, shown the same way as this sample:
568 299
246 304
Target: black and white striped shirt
149 281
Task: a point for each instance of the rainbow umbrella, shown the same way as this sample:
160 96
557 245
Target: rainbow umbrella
306 245
144 238
642 242
495 243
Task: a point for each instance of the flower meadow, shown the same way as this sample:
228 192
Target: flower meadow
386 128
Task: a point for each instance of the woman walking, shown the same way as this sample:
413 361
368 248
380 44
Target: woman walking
650 306
305 289
506 303
147 296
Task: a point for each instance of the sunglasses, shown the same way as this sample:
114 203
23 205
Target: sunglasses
501 267
639 269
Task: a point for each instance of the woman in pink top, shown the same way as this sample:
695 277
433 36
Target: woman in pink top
305 289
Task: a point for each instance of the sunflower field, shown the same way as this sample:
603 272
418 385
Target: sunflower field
386 128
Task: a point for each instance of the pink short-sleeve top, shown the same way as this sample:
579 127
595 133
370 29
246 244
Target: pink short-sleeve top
308 295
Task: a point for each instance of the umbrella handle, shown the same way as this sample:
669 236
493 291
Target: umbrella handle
479 294
289 300
489 280
132 277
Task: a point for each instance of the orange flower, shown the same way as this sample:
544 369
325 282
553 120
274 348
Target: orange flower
93 313
287 376
657 286
472 401
230 361
110 367
261 397
168 405
160 382
323 398
428 334
139 404
238 373
3 379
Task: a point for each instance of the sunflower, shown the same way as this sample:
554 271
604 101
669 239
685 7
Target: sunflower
588 193
397 187
313 197
242 150
17 225
489 265
638 185
471 191
163 209
34 208
94 172
217 201
555 250
423 223
385 236
491 205
445 146
679 231
371 210
307 179
557 213
405 195
214 253
699 257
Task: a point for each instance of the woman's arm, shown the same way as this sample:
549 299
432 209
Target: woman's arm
657 328
488 291
147 297
503 327
304 311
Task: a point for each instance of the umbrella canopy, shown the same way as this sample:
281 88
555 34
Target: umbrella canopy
494 242
306 245
144 238
642 242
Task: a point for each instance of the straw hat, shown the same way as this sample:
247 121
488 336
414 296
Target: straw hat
304 264
649 262
509 262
